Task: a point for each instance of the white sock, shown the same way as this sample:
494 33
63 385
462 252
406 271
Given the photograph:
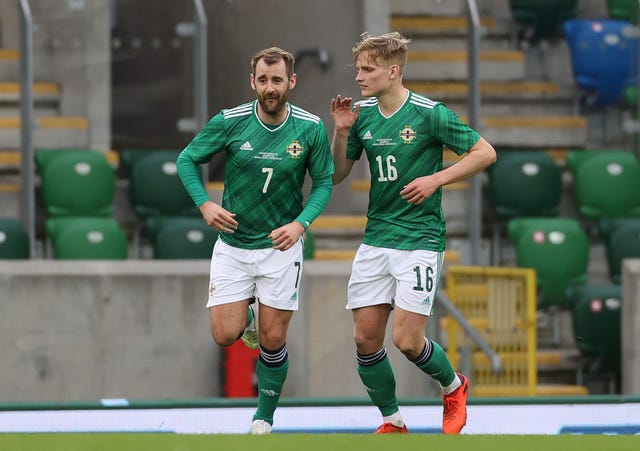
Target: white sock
452 386
395 419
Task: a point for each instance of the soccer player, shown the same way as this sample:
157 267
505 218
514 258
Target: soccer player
270 146
399 262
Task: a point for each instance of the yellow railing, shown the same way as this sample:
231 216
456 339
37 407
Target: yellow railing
500 304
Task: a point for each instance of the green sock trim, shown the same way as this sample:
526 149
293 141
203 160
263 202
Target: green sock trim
380 384
438 366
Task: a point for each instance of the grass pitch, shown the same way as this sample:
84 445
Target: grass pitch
312 442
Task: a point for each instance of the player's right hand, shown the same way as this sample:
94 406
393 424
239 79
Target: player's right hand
218 218
343 115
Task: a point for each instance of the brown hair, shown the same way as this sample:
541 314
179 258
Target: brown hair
271 56
390 48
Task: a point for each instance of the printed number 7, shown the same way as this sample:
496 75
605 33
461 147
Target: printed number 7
269 172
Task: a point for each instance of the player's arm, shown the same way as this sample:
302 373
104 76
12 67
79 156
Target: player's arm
286 236
343 118
197 152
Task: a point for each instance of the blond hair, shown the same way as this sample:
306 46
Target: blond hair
271 56
391 48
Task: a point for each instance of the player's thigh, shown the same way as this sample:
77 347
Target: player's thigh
279 277
230 277
370 282
417 274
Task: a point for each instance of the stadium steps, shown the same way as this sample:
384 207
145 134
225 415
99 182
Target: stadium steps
515 112
46 97
49 132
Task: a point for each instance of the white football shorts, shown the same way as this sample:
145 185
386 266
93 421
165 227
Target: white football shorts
408 279
271 276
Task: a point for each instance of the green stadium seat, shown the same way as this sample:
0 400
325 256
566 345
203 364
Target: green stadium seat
76 237
558 249
623 10
525 183
596 324
14 241
621 237
156 189
522 184
77 183
606 183
542 19
180 237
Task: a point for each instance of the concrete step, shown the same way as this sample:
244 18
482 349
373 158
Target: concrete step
430 7
9 64
449 32
49 132
500 98
452 65
535 132
46 99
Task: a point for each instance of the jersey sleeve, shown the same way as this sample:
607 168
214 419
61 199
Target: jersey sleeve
321 162
209 141
354 146
451 131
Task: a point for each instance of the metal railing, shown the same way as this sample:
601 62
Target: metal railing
473 334
473 65
27 171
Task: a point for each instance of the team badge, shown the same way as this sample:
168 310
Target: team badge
407 134
295 149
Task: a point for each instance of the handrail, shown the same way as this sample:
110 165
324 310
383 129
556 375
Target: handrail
473 64
27 172
451 309
198 30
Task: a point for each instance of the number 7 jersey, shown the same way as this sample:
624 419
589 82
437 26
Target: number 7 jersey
400 148
265 167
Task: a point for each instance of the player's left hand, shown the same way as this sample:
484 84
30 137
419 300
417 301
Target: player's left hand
286 236
419 189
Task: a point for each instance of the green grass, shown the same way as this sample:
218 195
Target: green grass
310 442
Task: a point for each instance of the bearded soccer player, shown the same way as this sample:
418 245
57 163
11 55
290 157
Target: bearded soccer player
270 146
398 264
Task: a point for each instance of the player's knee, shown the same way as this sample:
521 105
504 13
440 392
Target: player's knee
224 338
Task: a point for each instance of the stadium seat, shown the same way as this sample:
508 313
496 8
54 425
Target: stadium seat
596 324
179 237
77 183
43 157
521 184
14 241
606 183
604 59
155 187
623 10
77 237
621 237
541 19
558 249
129 157
525 183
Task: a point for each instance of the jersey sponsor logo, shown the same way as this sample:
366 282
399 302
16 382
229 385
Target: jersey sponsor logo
295 149
367 135
246 146
407 134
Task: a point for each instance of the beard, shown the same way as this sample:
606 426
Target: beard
273 103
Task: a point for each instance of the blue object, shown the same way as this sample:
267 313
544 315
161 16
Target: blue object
604 58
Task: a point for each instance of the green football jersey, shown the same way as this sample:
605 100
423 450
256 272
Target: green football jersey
265 167
400 148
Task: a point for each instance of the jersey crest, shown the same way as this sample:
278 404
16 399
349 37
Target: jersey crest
407 134
295 149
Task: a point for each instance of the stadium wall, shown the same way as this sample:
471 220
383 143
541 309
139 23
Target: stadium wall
138 329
